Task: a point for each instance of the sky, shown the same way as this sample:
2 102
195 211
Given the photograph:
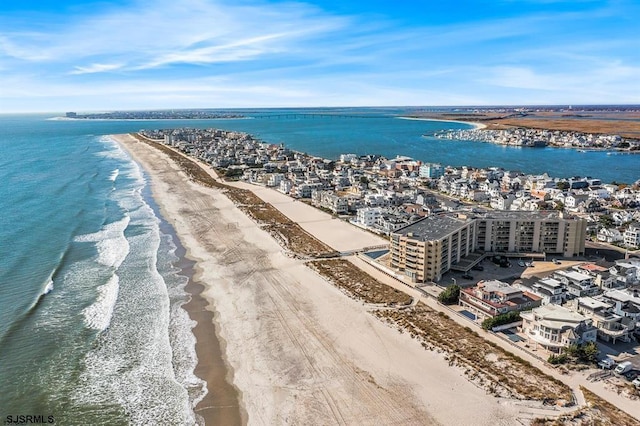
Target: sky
84 55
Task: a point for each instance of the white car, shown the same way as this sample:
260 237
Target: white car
636 382
607 363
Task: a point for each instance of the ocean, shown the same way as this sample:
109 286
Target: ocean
91 325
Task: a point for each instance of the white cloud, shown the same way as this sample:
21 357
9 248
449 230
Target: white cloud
95 68
223 53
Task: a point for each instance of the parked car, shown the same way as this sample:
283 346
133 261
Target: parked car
478 268
521 263
529 263
631 375
623 367
636 382
607 363
556 261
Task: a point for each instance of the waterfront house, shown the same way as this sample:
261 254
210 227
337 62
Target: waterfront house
491 298
554 327
632 236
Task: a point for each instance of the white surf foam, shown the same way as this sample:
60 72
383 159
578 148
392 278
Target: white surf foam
113 149
98 315
110 230
48 288
114 175
111 243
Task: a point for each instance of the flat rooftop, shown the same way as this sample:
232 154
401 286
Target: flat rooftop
521 215
432 228
496 286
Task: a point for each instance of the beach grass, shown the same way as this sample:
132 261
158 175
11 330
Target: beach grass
357 283
488 365
597 412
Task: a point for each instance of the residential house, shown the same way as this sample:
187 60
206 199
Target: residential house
611 327
549 289
610 235
554 327
577 283
491 298
632 236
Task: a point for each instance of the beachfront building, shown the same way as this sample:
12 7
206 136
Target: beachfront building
368 216
555 327
449 238
331 201
491 298
632 236
611 326
427 248
531 232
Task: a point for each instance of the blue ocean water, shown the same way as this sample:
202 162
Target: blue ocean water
91 329
91 325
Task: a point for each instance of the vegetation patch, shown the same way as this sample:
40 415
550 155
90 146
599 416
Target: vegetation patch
293 237
502 319
450 295
503 374
358 284
586 353
598 412
265 213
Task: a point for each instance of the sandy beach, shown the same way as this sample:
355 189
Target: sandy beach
295 348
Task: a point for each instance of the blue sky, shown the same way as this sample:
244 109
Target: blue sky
81 55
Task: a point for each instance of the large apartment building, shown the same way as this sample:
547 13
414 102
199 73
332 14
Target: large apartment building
531 232
426 249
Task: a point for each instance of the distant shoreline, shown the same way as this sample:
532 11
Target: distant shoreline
478 126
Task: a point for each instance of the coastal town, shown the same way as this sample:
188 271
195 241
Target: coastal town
383 195
527 239
540 138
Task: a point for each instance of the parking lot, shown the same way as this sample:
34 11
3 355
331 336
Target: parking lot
491 271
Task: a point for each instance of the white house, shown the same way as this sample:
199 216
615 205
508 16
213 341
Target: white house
554 327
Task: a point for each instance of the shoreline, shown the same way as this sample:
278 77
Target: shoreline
301 351
221 402
477 126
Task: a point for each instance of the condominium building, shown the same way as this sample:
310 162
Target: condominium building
432 171
331 201
531 232
427 248
368 216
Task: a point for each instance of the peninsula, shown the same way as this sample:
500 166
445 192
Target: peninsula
301 347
